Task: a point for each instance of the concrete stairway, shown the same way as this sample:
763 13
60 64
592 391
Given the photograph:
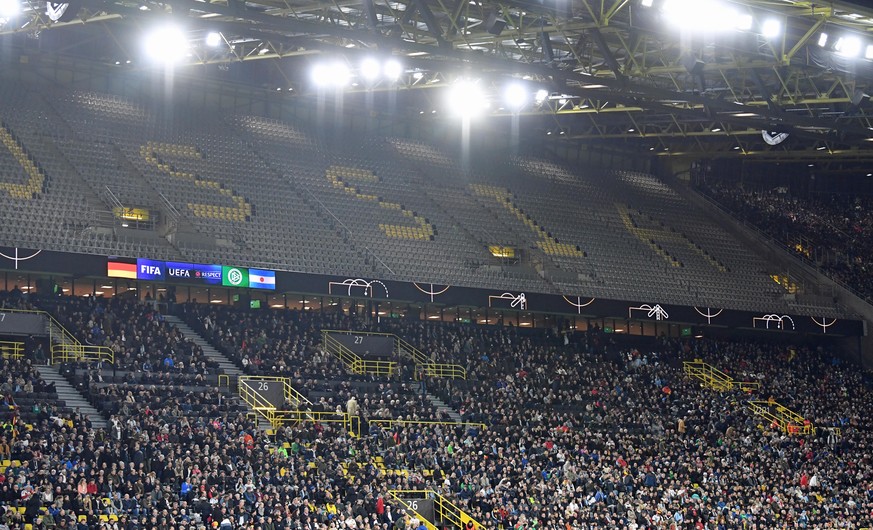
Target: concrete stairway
225 365
441 406
70 396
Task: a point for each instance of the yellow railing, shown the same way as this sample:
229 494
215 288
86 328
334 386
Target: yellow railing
353 362
356 364
388 423
247 389
11 350
65 353
253 398
444 509
223 378
714 378
785 419
59 336
290 394
350 423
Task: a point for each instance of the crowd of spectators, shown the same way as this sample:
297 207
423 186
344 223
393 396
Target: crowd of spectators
582 430
834 231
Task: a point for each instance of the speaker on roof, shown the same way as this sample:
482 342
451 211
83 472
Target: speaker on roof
494 23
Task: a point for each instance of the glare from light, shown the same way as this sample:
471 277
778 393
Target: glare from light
848 46
213 39
705 16
393 69
822 39
744 22
167 44
515 96
334 74
869 53
467 99
541 96
771 28
9 8
370 69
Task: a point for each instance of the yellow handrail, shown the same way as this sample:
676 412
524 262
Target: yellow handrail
715 378
445 510
784 418
67 347
11 349
353 362
358 365
63 353
290 393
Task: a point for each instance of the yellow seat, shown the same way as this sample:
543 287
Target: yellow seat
103 518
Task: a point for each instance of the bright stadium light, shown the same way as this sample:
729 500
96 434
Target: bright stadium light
705 15
823 39
541 96
370 69
515 95
869 53
334 74
467 99
771 28
848 46
166 44
9 8
213 39
393 69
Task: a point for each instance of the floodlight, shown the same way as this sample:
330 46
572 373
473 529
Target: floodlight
370 69
869 53
213 39
771 28
848 46
541 96
515 96
467 99
335 74
9 8
823 39
166 44
393 69
646 3
705 15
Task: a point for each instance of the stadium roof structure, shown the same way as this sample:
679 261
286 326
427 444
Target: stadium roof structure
783 80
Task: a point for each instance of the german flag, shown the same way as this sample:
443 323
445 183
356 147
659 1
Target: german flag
115 269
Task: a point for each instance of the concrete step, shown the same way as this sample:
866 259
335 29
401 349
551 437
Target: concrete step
71 397
225 365
441 406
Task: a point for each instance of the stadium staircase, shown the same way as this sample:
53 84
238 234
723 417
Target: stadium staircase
441 406
71 397
225 365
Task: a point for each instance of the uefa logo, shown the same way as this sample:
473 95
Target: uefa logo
234 276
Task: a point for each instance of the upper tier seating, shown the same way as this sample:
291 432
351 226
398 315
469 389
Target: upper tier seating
252 191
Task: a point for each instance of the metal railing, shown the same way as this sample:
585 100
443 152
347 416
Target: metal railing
358 365
247 390
444 509
353 362
11 350
65 347
715 379
785 419
87 353
290 394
